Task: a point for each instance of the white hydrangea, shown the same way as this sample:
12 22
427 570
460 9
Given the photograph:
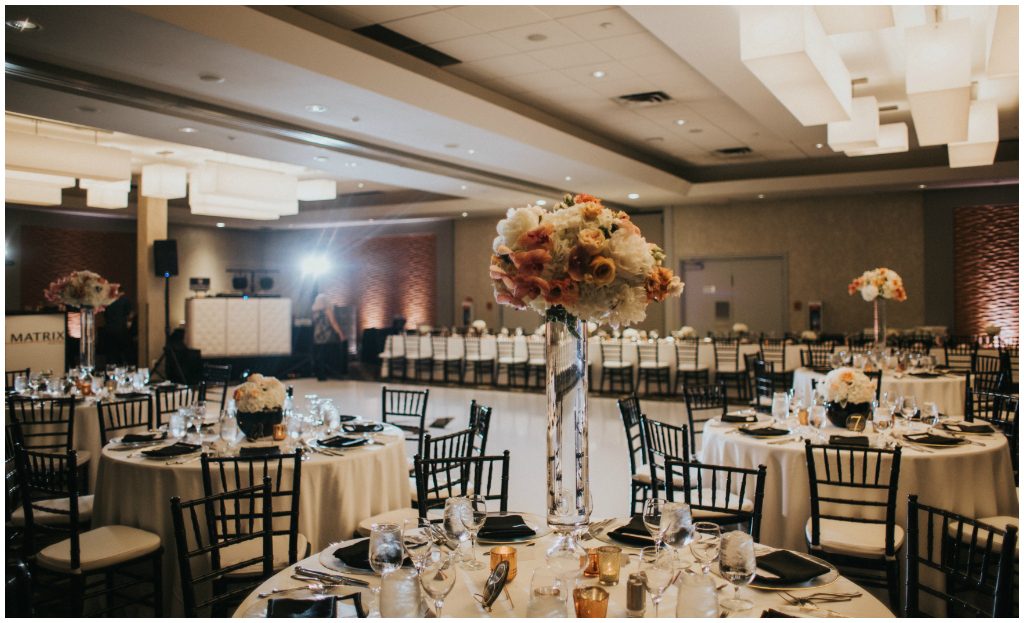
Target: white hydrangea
846 385
517 222
631 253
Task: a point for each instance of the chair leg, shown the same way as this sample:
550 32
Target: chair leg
892 578
158 585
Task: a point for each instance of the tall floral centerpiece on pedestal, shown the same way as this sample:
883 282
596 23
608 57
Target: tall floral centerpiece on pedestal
880 283
89 293
580 262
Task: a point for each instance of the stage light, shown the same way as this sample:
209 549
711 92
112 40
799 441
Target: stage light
315 265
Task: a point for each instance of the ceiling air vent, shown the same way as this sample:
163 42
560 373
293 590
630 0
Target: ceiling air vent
639 100
400 42
733 152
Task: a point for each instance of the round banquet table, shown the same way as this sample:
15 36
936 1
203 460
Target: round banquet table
945 390
461 604
337 492
973 480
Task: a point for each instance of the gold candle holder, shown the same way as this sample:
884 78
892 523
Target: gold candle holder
506 553
591 602
609 560
279 432
591 570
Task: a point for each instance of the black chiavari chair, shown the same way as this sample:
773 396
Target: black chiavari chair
1010 355
966 566
987 373
728 366
720 494
509 359
449 364
853 511
640 479
395 361
536 363
216 378
10 375
439 479
170 398
703 402
664 441
766 383
773 350
652 367
1001 411
406 405
614 368
199 542
422 359
818 355
481 364
78 564
127 414
688 367
480 422
960 353
45 424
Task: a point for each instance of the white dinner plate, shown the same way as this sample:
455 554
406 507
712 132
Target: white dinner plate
600 530
327 559
117 444
537 524
346 609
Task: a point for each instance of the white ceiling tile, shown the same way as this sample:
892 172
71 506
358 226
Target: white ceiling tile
545 81
474 48
684 88
571 55
612 71
724 113
337 15
615 88
669 112
430 28
660 63
503 66
491 18
631 46
557 11
602 24
553 33
378 14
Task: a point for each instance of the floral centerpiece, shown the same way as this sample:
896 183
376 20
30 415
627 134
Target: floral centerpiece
879 284
90 293
808 335
578 263
685 333
846 391
259 401
740 328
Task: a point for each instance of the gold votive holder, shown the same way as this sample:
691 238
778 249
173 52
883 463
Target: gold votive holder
609 561
591 602
591 570
279 432
505 553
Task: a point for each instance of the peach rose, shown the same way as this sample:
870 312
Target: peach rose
591 211
661 283
578 262
592 239
537 238
584 198
601 271
562 292
529 287
530 262
624 223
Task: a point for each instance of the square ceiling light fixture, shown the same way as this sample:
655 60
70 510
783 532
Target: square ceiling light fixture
107 195
317 190
26 192
217 178
939 80
861 131
838 19
982 137
209 209
31 153
789 52
893 138
1004 51
164 181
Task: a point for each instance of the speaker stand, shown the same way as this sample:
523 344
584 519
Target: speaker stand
168 356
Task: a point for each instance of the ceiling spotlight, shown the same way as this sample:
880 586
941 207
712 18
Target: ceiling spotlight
568 178
760 196
360 185
23 25
320 158
220 225
188 130
598 74
541 202
315 265
463 187
211 78
922 186
818 145
680 121
633 195
470 151
316 108
465 214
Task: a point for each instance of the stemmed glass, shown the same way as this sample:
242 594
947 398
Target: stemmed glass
652 519
780 408
474 514
417 542
659 571
909 407
817 417
882 422
228 428
438 577
455 520
707 540
737 564
676 525
930 415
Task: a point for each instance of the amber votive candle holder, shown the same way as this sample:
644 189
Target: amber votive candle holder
609 561
505 553
279 432
591 570
591 602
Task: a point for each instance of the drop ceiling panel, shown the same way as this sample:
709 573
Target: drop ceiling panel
626 86
430 28
491 18
613 70
570 55
474 48
557 11
683 86
378 14
602 24
550 82
631 46
501 67
553 33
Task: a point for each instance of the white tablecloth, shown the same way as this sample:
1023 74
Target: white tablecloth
972 480
460 602
337 492
947 391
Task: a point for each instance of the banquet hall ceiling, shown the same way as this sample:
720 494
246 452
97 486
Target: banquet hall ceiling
517 115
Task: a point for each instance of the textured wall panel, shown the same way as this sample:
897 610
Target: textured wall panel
987 269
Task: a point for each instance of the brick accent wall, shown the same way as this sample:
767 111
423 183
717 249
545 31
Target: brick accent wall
48 253
987 269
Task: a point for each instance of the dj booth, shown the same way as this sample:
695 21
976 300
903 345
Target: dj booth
253 333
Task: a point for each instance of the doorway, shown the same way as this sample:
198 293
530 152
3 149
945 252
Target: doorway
722 291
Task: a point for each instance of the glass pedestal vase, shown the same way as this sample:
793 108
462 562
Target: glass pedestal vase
87 343
880 335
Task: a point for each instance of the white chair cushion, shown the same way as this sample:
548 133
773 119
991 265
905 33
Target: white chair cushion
537 362
507 360
615 364
253 548
54 519
727 367
479 358
854 538
720 499
446 358
399 517
690 367
654 365
100 548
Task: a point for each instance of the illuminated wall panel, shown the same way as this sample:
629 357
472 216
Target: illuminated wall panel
987 269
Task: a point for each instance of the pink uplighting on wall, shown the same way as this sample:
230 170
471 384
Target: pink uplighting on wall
987 269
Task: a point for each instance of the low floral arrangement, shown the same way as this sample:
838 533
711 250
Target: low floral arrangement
740 328
993 330
581 260
83 288
846 385
880 282
686 332
480 325
259 393
809 335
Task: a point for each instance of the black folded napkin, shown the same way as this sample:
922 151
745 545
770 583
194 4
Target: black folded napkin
772 613
175 449
968 427
131 395
142 437
281 608
347 418
440 422
848 440
357 555
933 440
766 431
505 527
340 442
370 427
926 375
259 451
635 533
739 418
789 568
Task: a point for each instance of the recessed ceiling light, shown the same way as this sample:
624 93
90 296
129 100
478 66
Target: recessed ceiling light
372 220
541 202
320 158
463 187
633 195
680 121
818 145
23 25
188 130
922 185
316 108
537 36
598 74
470 151
88 109
760 196
568 178
211 78
220 225
360 185
465 214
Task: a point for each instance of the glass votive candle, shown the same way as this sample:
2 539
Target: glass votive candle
505 553
279 432
400 595
591 602
591 570
609 560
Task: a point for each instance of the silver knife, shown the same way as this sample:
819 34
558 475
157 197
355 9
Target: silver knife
331 576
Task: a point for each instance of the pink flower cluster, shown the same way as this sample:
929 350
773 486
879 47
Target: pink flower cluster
83 288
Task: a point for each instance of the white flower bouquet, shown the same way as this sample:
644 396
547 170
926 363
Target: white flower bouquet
741 328
809 335
82 288
846 385
686 332
880 282
581 260
259 393
993 330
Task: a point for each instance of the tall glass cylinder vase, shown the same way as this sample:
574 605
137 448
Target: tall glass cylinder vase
568 470
87 343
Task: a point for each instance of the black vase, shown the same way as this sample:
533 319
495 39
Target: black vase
259 424
837 413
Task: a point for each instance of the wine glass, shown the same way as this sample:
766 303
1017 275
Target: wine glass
676 525
293 428
474 516
386 548
737 564
930 415
438 577
652 519
704 547
417 542
228 427
882 422
454 520
909 407
659 570
780 407
817 417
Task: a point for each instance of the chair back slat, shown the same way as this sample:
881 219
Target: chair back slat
664 441
649 354
727 353
216 378
688 353
480 422
629 411
703 402
170 399
117 415
455 445
817 354
409 408
773 351
45 424
441 478
722 490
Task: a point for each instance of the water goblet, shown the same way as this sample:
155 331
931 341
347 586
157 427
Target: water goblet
659 571
454 520
780 407
176 424
652 518
817 417
930 415
908 408
438 578
228 428
474 514
882 422
737 564
704 547
676 525
417 542
386 548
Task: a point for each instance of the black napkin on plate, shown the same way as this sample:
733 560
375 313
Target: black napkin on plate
142 437
505 527
765 431
340 442
357 555
259 451
131 395
772 613
968 427
175 449
933 440
369 427
739 418
789 568
635 533
302 608
849 440
926 375
347 418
